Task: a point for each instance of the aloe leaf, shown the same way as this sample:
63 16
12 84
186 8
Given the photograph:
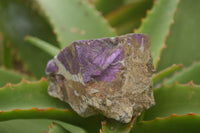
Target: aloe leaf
75 20
24 126
128 17
113 126
28 95
10 76
19 19
56 128
165 72
186 75
45 46
29 100
157 25
33 126
7 57
105 6
174 99
183 41
174 124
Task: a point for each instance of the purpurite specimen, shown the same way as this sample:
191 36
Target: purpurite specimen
111 76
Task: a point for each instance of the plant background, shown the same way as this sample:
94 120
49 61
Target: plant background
33 31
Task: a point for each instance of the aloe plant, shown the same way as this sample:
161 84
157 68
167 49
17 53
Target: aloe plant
33 31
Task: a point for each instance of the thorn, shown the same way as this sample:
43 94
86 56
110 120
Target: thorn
135 30
74 30
24 80
172 22
194 62
54 31
191 82
164 46
142 19
175 10
43 79
103 123
155 1
180 65
58 40
67 110
168 32
52 124
175 82
191 113
8 85
99 13
101 131
34 108
51 108
51 22
83 32
158 60
173 115
148 11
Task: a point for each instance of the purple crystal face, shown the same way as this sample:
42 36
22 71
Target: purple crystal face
96 59
51 67
68 57
139 38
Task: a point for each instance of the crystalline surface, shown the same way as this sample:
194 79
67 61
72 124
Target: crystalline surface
111 76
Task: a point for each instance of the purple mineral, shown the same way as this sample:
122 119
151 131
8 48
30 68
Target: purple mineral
111 76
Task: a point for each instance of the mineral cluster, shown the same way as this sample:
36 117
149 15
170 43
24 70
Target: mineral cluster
110 76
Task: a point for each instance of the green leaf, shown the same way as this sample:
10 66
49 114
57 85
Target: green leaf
113 126
75 20
157 25
173 124
174 99
186 75
183 41
19 19
24 126
33 126
165 72
30 100
128 17
105 6
45 46
7 57
28 95
8 76
56 128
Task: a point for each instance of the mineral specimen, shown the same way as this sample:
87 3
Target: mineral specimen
111 76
